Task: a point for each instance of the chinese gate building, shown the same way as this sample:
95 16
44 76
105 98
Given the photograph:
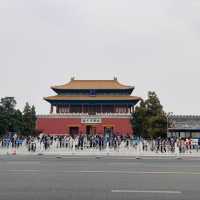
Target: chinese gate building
89 107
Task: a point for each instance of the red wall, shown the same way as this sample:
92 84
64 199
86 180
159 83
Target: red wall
60 126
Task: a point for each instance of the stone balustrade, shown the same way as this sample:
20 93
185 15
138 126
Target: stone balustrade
81 115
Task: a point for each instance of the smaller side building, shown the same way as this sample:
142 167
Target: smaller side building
184 126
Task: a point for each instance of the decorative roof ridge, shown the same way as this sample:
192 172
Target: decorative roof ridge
74 80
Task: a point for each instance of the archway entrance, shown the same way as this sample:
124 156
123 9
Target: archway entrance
90 130
73 131
108 132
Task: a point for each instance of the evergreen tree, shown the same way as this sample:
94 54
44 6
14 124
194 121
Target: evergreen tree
8 116
138 120
13 120
149 119
8 104
3 121
34 118
17 120
29 120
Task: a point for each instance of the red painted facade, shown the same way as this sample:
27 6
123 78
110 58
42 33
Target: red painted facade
60 126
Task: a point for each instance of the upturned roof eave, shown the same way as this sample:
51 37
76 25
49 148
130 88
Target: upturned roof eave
63 88
54 98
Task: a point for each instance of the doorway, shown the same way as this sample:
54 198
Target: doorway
73 131
108 132
90 130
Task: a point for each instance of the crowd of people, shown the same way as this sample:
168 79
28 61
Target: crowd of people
184 145
78 142
100 142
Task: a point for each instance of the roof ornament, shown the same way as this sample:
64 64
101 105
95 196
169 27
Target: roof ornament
72 78
115 78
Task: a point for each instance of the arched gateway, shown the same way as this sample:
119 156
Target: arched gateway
89 107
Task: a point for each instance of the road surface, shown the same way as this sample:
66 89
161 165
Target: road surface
96 178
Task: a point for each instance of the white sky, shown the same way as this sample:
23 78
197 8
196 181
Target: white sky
151 44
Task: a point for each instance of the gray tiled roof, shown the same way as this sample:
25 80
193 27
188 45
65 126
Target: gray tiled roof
185 121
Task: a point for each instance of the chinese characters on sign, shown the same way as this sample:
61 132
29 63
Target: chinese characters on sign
90 120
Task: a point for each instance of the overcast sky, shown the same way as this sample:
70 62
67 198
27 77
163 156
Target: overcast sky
151 44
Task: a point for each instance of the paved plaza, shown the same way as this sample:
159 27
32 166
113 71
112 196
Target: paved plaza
90 177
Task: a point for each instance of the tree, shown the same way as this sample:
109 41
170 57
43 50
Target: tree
13 120
17 121
29 120
3 122
149 119
138 120
8 116
8 104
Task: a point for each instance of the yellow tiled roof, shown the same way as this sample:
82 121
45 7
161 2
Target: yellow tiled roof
92 84
59 97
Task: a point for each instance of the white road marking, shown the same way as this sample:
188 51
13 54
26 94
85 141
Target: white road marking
23 170
147 191
22 174
144 172
104 172
23 162
92 171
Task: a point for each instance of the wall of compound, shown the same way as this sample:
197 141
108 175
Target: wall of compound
60 126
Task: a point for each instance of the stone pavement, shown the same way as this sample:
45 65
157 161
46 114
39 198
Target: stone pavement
96 152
